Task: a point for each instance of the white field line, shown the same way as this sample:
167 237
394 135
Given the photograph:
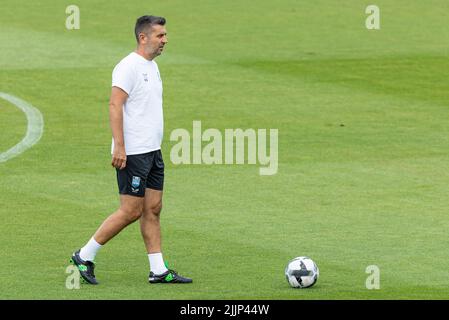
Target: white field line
35 127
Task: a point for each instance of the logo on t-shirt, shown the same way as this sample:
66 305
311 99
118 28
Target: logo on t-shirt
145 77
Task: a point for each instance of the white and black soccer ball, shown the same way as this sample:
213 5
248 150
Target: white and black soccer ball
302 272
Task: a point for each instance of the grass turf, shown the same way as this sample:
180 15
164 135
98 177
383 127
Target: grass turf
363 148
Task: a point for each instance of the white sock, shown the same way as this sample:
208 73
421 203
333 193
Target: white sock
89 251
157 265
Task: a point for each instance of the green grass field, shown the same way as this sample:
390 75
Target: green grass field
363 148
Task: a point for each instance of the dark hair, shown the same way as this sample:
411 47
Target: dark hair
147 21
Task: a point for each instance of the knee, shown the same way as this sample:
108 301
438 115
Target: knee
154 210
132 215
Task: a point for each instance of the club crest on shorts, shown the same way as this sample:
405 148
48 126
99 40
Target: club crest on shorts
135 184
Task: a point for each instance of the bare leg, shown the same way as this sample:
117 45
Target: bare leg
149 221
130 210
151 233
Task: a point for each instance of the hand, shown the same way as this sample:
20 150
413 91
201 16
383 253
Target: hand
119 158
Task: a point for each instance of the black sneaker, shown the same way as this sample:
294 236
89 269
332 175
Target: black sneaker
170 276
86 268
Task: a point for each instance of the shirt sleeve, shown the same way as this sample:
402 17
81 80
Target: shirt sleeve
122 77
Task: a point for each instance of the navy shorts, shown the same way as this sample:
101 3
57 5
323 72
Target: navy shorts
142 171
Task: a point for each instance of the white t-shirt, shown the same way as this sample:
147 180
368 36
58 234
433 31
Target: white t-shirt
142 112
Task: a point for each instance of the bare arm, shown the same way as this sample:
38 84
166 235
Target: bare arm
118 99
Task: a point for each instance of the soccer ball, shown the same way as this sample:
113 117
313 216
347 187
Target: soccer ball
302 272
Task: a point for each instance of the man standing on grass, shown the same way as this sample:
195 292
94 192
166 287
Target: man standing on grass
136 119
